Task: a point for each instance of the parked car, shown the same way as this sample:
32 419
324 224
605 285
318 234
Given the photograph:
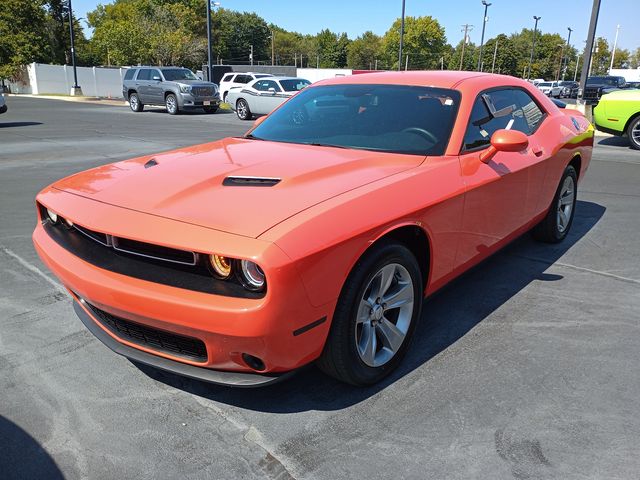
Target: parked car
618 113
550 89
174 87
238 79
598 86
315 236
536 81
263 95
3 104
633 85
569 89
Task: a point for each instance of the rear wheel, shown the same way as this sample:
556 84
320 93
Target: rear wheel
171 102
555 226
375 317
134 102
633 132
242 110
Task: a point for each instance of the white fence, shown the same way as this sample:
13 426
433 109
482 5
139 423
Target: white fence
58 79
107 82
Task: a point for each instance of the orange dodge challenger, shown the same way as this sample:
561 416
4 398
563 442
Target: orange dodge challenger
316 235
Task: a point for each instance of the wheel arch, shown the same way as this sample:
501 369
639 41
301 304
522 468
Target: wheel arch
629 122
576 162
130 91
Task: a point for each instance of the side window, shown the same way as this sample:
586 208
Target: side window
243 79
129 74
155 74
144 74
272 84
227 77
512 109
261 86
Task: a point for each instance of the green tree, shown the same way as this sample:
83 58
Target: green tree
622 58
424 42
364 51
22 37
601 57
332 49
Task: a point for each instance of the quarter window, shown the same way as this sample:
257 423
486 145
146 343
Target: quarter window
511 109
129 74
243 79
227 77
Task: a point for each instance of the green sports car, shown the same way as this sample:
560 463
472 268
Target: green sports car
618 113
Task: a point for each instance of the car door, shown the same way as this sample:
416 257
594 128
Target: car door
499 197
269 96
142 85
156 92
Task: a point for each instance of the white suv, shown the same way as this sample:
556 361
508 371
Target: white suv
237 79
550 89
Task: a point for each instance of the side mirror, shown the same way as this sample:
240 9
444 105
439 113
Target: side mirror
272 91
504 141
156 78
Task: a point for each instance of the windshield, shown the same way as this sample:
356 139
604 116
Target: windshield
174 74
294 84
385 118
544 84
602 81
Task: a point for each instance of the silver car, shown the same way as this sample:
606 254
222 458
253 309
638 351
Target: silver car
174 87
3 105
263 95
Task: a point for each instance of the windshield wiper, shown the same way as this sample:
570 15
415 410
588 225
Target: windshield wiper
251 137
316 144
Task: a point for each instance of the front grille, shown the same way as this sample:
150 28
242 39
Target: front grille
202 91
156 339
591 93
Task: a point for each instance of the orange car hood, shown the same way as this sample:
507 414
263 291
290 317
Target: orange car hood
186 184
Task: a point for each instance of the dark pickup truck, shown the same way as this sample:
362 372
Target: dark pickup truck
598 86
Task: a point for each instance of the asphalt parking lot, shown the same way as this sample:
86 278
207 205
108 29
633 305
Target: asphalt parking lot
526 368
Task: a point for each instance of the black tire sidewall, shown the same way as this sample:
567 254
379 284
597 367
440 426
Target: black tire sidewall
633 124
360 373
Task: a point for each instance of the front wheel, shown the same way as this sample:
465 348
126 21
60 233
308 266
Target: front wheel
555 226
375 316
633 132
171 102
242 110
134 102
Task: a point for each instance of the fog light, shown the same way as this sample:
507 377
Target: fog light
53 216
221 266
252 275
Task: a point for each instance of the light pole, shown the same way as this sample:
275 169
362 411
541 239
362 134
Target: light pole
273 48
565 60
401 37
484 24
75 89
533 45
209 71
613 52
495 52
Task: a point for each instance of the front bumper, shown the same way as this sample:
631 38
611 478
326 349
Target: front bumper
271 328
188 100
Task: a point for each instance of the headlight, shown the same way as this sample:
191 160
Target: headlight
221 266
185 88
53 216
251 275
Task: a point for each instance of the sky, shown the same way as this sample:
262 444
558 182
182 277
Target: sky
505 16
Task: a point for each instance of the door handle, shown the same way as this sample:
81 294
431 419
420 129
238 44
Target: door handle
537 151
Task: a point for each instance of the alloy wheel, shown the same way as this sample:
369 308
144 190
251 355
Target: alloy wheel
384 315
565 204
171 104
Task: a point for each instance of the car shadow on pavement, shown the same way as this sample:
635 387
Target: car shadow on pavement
18 124
615 142
21 456
447 317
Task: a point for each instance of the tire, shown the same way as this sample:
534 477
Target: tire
210 109
633 132
363 352
556 225
134 102
171 102
242 110
224 97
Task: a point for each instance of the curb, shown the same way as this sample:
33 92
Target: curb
93 100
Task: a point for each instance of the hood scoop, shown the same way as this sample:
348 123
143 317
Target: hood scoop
244 181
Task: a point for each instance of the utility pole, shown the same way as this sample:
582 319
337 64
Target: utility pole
533 45
575 75
588 52
273 48
406 63
251 56
466 29
484 24
75 89
495 52
209 75
401 37
613 52
565 60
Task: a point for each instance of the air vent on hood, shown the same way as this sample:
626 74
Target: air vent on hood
240 181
